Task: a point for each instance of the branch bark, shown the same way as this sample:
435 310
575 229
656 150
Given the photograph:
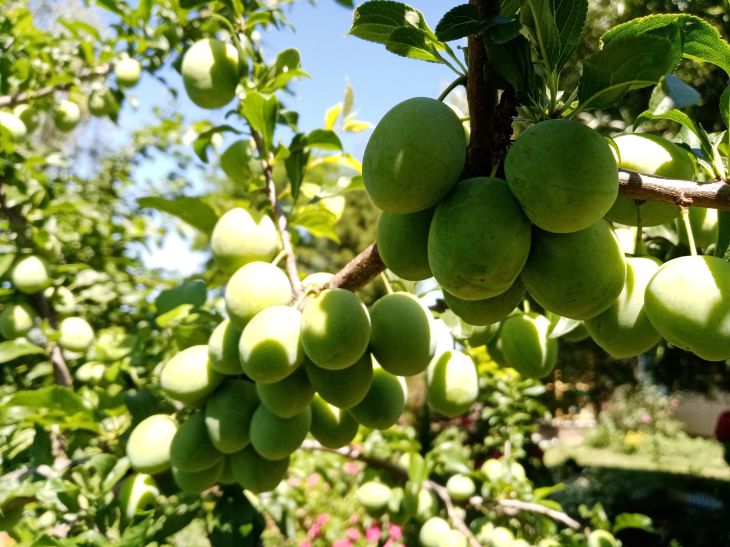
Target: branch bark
28 96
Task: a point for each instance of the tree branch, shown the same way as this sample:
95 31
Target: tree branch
714 195
360 271
512 507
28 96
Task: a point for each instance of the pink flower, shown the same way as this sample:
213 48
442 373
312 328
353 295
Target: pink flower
342 543
312 479
353 534
646 419
373 532
305 543
395 532
322 519
352 468
314 531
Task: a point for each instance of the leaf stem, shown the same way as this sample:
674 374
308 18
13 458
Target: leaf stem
688 228
461 80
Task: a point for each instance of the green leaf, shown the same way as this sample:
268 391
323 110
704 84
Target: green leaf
286 67
632 520
296 165
459 22
671 93
616 69
12 349
318 221
512 60
194 211
539 17
700 40
413 43
40 450
202 143
722 249
724 112
262 113
324 140
49 398
6 260
191 292
376 20
330 117
570 18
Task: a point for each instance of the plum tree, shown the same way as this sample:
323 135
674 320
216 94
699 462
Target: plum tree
335 329
127 71
210 71
16 320
479 239
575 184
137 495
383 403
453 383
252 288
66 115
256 473
331 426
403 243
238 239
228 414
148 447
30 275
289 396
12 126
75 334
189 377
488 310
223 348
274 437
342 388
191 448
527 345
194 482
414 156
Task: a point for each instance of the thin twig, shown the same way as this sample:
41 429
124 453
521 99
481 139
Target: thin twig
461 80
32 95
512 507
454 517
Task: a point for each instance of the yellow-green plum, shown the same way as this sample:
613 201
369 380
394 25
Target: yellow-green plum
91 372
373 496
331 426
342 388
704 227
649 155
688 302
576 275
479 239
252 288
12 127
195 482
335 329
414 156
460 487
579 333
28 115
148 446
191 448
624 330
270 345
210 73
495 347
426 505
401 338
75 334
101 102
453 383
30 275
288 397
257 474
384 402
189 376
434 532
137 495
564 175
16 320
238 239
236 161
455 538
601 538
228 414
482 334
66 115
223 348
403 243
527 345
316 279
489 310
127 71
275 438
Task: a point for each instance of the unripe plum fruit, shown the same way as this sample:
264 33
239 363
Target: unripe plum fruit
75 334
316 279
601 538
191 448
238 239
227 476
624 329
16 129
335 329
373 496
195 482
384 402
479 239
288 397
66 115
228 414
252 288
16 320
579 333
460 487
342 388
270 345
649 155
489 310
275 438
403 243
127 71
495 348
434 532
30 275
331 426
28 115
256 473
189 377
235 161
453 383
210 73
148 446
223 348
401 338
414 156
576 275
137 495
688 302
527 345
704 227
482 334
100 102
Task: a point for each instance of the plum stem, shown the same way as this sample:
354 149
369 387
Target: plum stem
461 80
688 229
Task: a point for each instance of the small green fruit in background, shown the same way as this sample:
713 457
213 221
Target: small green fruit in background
252 288
373 496
274 437
453 383
191 449
704 227
434 532
384 402
342 388
601 538
228 414
288 397
210 73
127 71
148 447
137 495
66 115
403 243
256 473
189 376
223 348
30 275
331 426
101 102
414 156
28 115
12 127
16 320
236 161
460 487
488 310
238 239
75 334
527 346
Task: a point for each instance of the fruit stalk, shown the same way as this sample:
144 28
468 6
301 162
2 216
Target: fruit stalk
28 96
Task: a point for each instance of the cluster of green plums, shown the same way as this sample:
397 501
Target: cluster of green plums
272 373
546 230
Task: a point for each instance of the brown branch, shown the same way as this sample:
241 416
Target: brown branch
457 521
28 96
360 271
512 507
714 195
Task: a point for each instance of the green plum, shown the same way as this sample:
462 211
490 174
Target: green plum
414 156
384 402
254 287
223 348
460 487
576 275
236 161
489 310
12 127
564 175
210 71
704 227
403 243
482 334
579 333
270 345
649 155
257 474
189 376
434 532
331 426
191 448
16 320
66 115
228 414
195 482
238 239
127 71
601 538
100 102
148 446
527 345
75 334
373 496
288 397
30 275
335 329
28 115
275 438
479 239
137 495
342 388
624 330
453 383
